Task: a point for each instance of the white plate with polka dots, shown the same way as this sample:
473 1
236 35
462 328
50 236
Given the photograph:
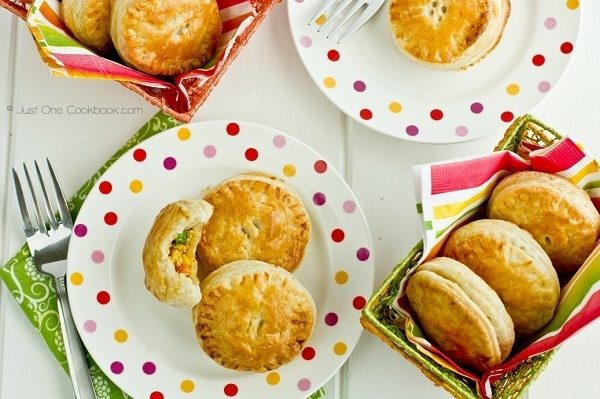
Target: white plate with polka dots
149 349
371 81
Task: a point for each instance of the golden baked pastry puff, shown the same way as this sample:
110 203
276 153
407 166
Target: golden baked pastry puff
447 34
165 37
89 21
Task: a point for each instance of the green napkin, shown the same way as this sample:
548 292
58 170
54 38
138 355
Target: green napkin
35 293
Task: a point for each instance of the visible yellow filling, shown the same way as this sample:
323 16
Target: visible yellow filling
182 253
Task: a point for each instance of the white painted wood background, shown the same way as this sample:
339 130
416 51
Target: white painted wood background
267 84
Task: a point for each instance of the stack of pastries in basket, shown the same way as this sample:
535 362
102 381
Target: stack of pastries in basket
249 233
499 277
157 37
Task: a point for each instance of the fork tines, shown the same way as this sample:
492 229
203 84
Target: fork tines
51 216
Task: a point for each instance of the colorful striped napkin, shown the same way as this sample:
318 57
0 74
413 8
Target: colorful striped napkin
35 294
65 56
451 193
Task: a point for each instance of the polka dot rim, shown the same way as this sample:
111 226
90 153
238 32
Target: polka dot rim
233 129
230 390
187 386
273 378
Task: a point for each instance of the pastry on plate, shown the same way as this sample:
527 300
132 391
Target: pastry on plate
514 265
559 214
165 37
89 21
447 34
255 217
169 259
460 313
253 316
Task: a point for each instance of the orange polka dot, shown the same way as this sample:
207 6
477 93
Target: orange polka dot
273 378
321 20
572 4
513 89
340 348
329 82
136 186
184 134
187 386
76 278
121 336
289 170
395 107
341 277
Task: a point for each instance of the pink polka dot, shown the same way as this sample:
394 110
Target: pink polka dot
544 86
209 151
80 230
299 1
550 23
477 108
169 163
279 141
319 199
412 130
349 206
362 254
305 41
149 368
97 256
304 384
461 131
360 86
331 319
117 367
89 326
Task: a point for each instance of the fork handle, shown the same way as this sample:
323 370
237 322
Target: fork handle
78 369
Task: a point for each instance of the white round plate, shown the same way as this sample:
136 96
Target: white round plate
371 81
149 349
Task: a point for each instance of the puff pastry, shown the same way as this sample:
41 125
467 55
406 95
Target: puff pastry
514 265
165 37
447 34
169 258
254 217
460 313
559 214
89 21
253 316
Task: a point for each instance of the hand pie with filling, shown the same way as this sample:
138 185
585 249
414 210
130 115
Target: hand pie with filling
89 21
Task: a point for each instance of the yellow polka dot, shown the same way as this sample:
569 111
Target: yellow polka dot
121 336
184 134
341 277
395 107
340 348
329 82
321 20
273 378
289 170
187 386
513 89
136 186
572 4
76 278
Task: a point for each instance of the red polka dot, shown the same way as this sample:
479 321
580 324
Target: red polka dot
538 60
359 302
366 114
233 129
251 154
139 155
436 114
566 47
103 297
157 395
320 166
105 187
110 218
308 353
337 235
507 116
333 55
230 390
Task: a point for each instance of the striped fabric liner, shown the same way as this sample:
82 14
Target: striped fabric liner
451 193
67 57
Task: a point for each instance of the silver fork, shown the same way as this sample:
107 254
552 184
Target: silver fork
362 9
48 239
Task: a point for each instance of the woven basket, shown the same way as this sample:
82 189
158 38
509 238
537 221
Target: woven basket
376 314
198 93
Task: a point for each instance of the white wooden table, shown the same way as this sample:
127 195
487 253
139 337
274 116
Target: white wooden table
278 94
